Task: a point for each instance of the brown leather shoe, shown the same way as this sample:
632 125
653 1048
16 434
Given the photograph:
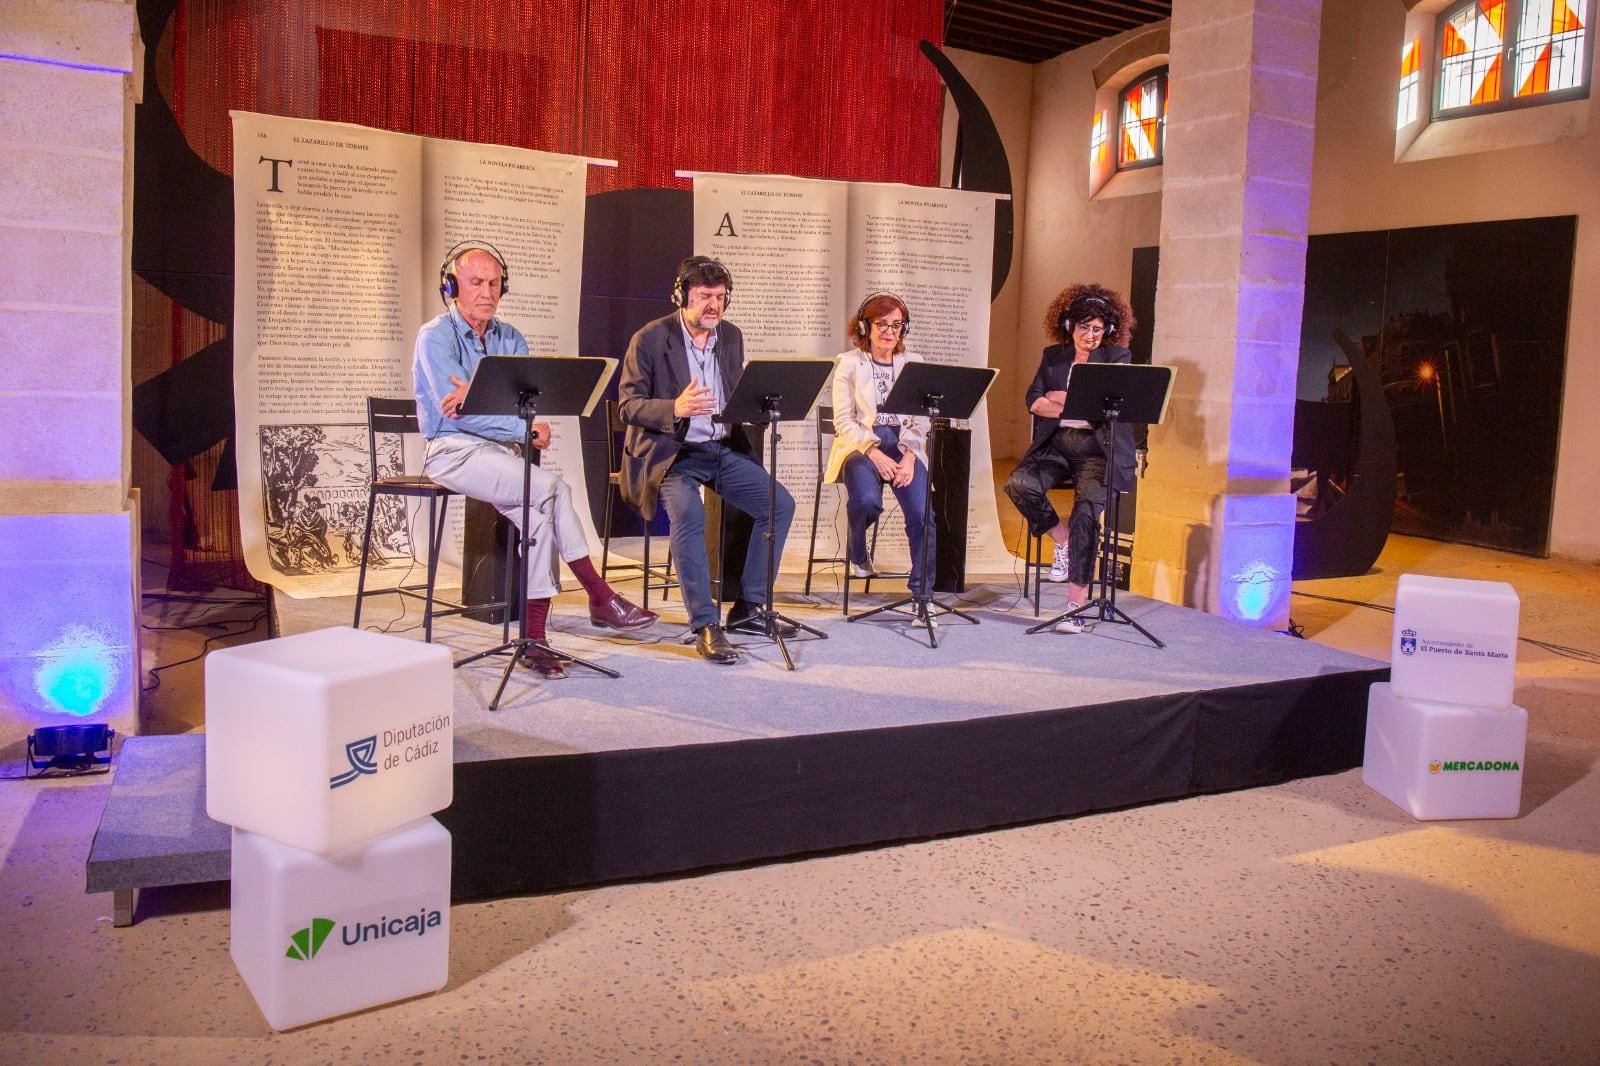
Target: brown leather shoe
543 663
618 613
714 645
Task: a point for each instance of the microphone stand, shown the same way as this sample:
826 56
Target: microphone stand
1112 387
920 601
527 410
767 619
1104 606
569 386
925 389
757 398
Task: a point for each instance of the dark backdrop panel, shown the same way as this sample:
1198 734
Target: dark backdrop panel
1465 327
633 241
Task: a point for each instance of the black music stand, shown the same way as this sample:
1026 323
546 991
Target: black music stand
527 387
766 389
1110 393
931 391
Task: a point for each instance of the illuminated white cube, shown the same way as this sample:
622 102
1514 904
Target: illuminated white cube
1444 760
1454 641
324 739
316 936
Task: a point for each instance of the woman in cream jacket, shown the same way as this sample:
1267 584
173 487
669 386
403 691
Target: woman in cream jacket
870 449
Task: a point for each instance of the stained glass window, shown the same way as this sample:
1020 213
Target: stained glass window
1410 84
1550 47
1495 53
1097 140
1144 121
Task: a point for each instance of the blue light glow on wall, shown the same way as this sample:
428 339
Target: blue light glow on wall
1254 558
1254 592
78 673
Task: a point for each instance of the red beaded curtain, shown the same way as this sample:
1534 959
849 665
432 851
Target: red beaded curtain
816 88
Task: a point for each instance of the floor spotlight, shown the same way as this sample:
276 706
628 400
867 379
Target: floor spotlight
70 750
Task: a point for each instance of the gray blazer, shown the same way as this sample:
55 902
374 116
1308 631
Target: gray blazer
655 370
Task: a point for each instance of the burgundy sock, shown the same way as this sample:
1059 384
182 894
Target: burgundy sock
599 592
538 614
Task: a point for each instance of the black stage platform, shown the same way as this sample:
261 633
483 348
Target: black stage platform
876 737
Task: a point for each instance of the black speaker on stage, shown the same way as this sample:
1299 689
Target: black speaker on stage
486 537
951 470
728 535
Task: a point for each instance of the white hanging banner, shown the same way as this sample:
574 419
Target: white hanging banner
803 253
339 231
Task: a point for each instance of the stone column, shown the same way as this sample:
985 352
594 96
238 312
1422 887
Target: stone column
1216 520
69 599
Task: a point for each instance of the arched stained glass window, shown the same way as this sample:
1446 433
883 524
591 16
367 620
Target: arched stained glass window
1508 53
1144 122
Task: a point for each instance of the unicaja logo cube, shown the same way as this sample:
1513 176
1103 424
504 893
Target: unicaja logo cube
362 755
1408 642
305 944
363 929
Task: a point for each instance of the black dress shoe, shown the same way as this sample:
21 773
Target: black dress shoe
746 618
714 645
618 613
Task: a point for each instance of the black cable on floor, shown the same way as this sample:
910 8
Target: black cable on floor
155 671
1580 654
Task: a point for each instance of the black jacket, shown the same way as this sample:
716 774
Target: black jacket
1052 376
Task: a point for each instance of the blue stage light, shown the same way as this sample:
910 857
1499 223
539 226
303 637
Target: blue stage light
78 673
1255 592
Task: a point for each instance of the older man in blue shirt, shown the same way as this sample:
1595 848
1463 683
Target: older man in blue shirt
481 455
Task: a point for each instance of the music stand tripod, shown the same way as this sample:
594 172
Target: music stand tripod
1110 393
931 391
765 389
528 387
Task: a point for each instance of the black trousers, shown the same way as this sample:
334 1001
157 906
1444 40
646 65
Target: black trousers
1072 455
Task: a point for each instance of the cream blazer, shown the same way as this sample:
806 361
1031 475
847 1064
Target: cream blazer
855 406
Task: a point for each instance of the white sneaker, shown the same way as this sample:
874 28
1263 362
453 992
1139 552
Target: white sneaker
1058 568
857 570
1070 625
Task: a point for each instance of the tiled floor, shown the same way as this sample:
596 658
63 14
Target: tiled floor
1307 922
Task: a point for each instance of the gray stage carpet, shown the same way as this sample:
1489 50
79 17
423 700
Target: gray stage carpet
868 674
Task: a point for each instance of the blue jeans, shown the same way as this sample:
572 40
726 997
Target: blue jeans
743 483
864 495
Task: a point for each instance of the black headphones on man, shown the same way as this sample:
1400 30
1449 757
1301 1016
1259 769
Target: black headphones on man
864 328
450 287
701 270
1086 307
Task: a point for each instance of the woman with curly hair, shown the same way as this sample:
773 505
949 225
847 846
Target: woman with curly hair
1089 324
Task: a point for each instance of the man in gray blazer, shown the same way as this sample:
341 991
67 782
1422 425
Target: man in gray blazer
680 371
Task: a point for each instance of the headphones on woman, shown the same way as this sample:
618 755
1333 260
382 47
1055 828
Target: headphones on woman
1086 307
450 287
701 270
864 328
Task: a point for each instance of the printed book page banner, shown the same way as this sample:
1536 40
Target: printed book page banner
803 254
339 235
